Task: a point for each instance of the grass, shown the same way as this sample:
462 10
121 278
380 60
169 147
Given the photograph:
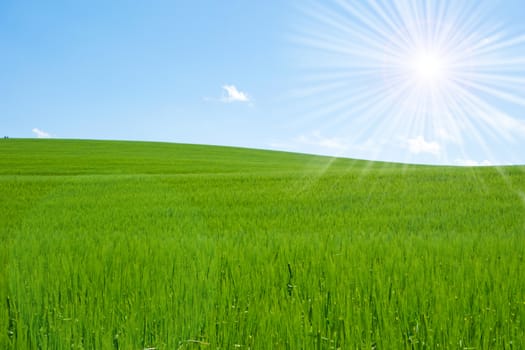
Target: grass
124 245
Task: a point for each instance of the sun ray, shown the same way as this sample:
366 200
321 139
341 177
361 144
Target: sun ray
399 70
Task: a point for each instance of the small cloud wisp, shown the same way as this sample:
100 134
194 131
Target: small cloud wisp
420 145
470 162
234 95
41 134
316 139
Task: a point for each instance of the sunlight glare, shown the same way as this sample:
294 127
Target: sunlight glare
384 73
428 67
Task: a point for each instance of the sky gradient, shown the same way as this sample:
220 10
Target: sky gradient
239 73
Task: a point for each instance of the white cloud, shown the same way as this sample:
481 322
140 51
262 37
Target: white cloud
316 139
41 134
420 145
283 145
448 135
234 95
470 162
314 143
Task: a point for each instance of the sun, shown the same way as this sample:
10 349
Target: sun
428 67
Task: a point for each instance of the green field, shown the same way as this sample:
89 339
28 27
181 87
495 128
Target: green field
131 245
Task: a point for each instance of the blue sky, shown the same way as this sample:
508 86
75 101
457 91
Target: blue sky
247 73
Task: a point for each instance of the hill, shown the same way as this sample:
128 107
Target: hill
123 245
77 157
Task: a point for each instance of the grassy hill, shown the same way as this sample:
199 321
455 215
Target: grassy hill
82 157
133 245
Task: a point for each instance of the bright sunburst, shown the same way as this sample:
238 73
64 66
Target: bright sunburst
428 67
431 78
